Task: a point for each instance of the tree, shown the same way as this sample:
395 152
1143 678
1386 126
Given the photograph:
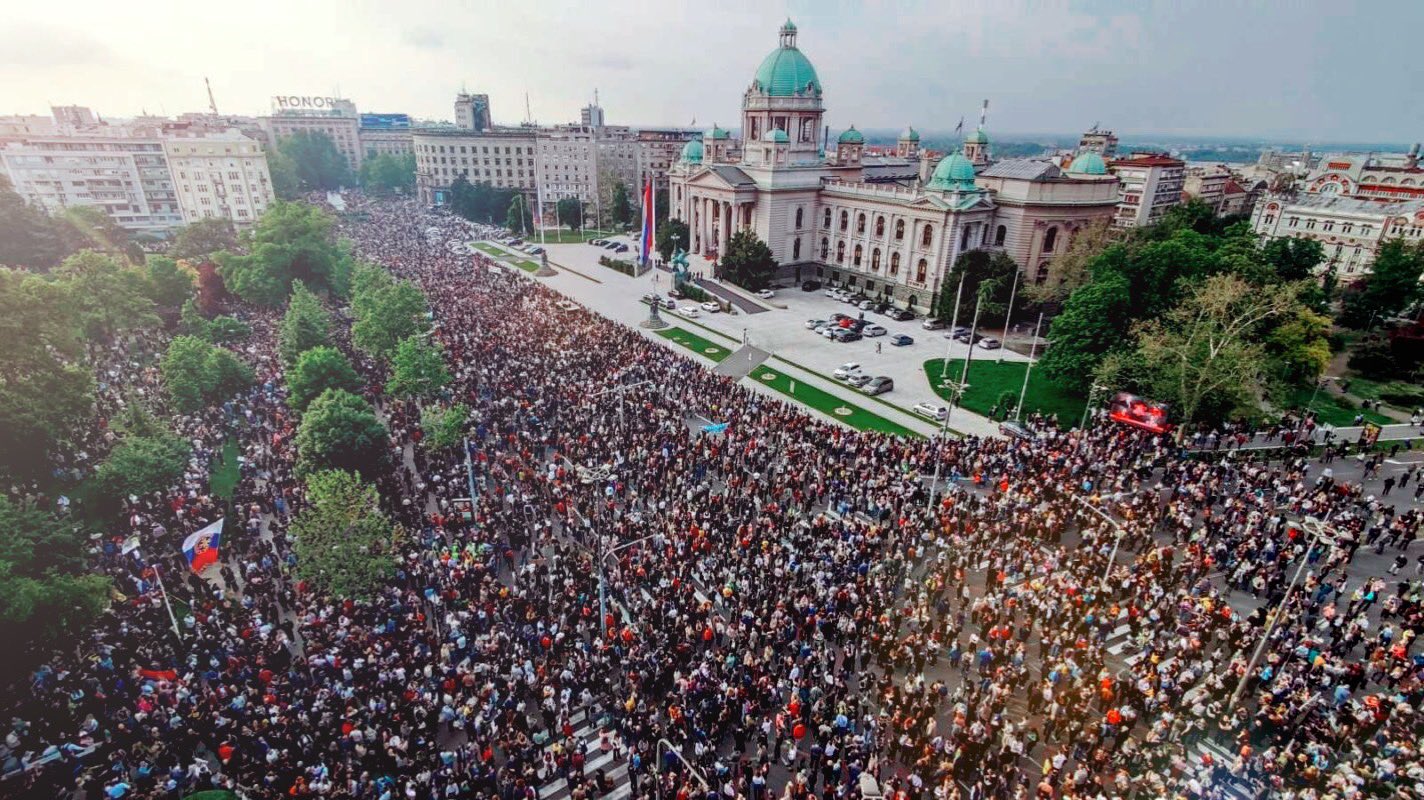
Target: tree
1205 357
90 227
305 325
1074 267
203 238
1374 358
1298 348
389 173
285 183
140 464
29 237
1392 285
386 314
109 298
622 205
339 430
292 241
519 218
444 427
343 543
316 162
748 261
1293 258
197 373
672 234
569 212
417 370
218 330
988 274
1093 323
46 591
317 370
169 285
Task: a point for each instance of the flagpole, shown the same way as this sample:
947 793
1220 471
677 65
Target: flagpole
166 604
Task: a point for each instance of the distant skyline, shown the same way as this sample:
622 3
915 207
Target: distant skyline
1308 71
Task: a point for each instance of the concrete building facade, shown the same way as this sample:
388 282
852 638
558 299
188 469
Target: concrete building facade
221 176
1149 186
502 157
1350 229
126 176
338 120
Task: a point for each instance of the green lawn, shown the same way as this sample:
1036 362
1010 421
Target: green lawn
225 471
989 380
1331 408
703 347
486 247
827 403
507 257
567 237
526 265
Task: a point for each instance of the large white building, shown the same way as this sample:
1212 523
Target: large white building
334 117
500 157
221 176
826 216
1350 229
1150 186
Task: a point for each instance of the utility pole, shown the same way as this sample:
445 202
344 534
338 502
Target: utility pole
954 322
1032 350
956 391
1013 292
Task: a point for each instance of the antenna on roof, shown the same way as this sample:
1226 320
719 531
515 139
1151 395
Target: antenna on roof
528 116
983 114
212 104
595 97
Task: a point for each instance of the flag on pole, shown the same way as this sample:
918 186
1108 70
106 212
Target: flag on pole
716 427
201 548
645 249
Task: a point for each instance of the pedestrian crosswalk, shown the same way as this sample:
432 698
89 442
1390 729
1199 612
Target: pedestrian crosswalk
614 767
1229 786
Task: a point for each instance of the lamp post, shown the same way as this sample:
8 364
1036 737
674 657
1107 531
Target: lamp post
1092 392
665 745
954 322
1117 539
1316 530
1032 351
603 578
957 389
1009 315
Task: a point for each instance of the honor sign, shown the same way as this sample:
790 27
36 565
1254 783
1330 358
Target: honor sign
284 102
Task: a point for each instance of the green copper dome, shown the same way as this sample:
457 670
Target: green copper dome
786 72
954 172
692 152
1089 163
851 136
718 132
977 136
909 134
776 135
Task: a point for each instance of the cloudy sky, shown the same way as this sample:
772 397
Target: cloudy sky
1315 70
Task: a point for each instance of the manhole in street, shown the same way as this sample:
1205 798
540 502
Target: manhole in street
768 376
843 411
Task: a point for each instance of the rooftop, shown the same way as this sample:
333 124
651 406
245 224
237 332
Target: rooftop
1032 169
1147 161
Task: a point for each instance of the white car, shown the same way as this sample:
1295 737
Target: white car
688 311
766 294
934 411
812 324
873 330
846 370
711 307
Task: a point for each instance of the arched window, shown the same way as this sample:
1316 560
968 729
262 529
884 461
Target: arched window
826 221
845 219
1000 235
860 223
1050 239
798 219
858 251
875 260
796 248
927 236
840 252
825 247
1042 276
920 270
879 226
899 229
894 264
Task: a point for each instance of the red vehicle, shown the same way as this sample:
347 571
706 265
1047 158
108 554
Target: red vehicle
1129 409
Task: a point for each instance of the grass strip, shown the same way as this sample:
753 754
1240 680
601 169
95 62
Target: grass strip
225 471
697 344
829 404
992 383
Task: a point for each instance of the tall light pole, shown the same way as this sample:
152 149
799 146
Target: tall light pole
1009 315
1032 351
956 391
1315 530
1117 540
603 579
1092 392
954 322
664 744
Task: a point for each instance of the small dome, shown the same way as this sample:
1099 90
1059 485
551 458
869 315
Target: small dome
851 136
718 133
786 72
1089 163
776 135
954 172
909 134
692 152
977 136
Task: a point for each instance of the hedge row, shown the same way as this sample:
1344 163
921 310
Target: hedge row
626 267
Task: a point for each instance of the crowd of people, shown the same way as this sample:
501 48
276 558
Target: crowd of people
632 606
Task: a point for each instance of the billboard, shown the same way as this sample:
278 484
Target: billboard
385 121
1129 409
299 102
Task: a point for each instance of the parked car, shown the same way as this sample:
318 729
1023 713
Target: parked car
874 330
900 314
846 370
1015 430
598 242
831 291
669 304
901 340
812 324
828 331
838 316
765 294
622 248
990 343
858 380
711 307
610 245
933 411
865 305
964 336
845 335
688 311
810 286
933 325
675 294
649 299
880 384
536 250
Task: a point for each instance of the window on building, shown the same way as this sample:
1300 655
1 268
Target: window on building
840 252
921 270
1050 240
1294 222
826 219
798 217
825 247
860 224
796 246
845 219
1041 277
875 260
899 230
856 259
1000 234
879 226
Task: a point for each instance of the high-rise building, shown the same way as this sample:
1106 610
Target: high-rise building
503 158
591 115
387 134
1102 142
472 112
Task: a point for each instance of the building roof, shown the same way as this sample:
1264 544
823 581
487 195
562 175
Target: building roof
954 173
786 71
1350 205
1032 169
977 136
718 132
909 134
731 174
1088 163
1232 187
692 151
1148 161
851 136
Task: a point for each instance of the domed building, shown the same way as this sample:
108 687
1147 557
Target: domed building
845 218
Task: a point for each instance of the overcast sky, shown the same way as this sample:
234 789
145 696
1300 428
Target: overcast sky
1314 70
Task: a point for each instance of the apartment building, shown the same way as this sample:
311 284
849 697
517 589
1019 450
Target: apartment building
1148 186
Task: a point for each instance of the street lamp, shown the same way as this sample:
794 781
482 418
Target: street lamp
1009 315
1117 539
603 579
957 389
1316 530
664 744
1092 392
1032 351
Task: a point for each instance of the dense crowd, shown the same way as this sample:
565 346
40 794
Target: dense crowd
789 612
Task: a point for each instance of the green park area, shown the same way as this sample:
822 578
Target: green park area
991 381
697 344
1332 409
507 257
827 403
564 236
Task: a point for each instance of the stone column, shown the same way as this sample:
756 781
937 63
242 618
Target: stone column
724 210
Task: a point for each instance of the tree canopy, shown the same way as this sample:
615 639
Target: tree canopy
46 592
339 430
444 427
344 543
479 201
291 242
200 239
386 311
315 162
622 205
169 285
389 173
417 370
672 234
1391 287
305 325
197 373
145 463
988 274
519 218
569 212
748 261
29 237
316 370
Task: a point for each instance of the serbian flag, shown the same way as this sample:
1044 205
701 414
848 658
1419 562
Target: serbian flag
645 242
202 547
